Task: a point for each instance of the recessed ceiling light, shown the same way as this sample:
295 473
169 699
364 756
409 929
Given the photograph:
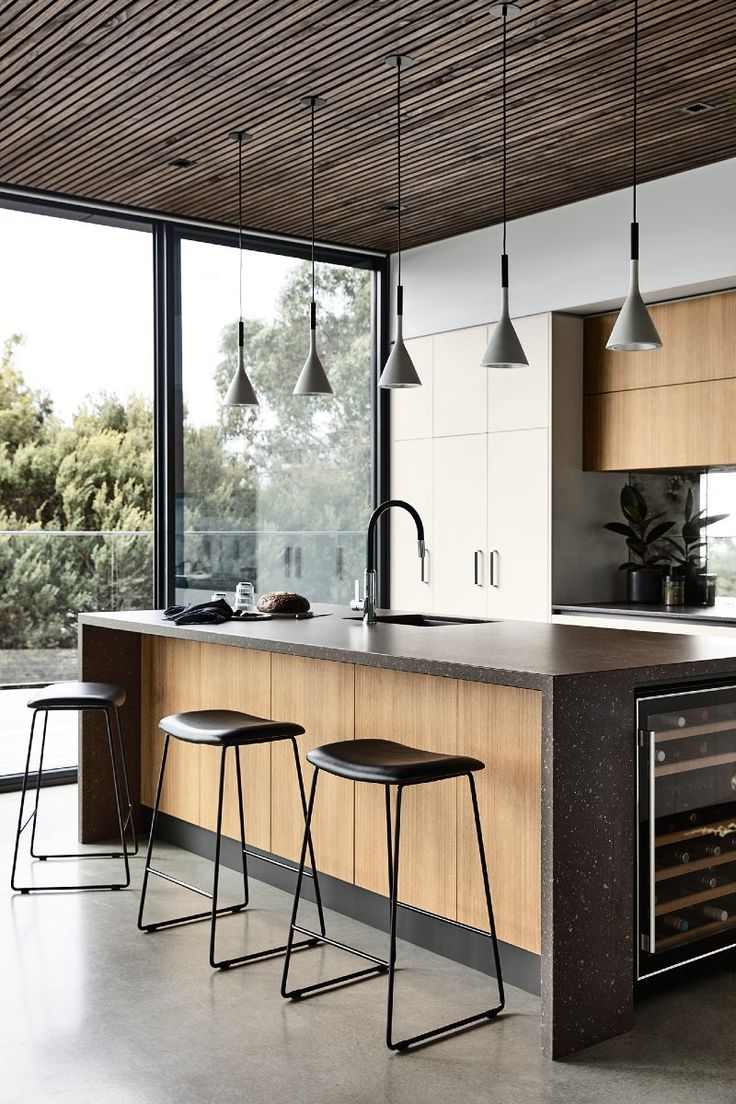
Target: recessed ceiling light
181 162
697 107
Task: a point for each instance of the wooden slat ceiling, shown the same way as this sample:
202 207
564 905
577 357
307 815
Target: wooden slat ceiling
97 97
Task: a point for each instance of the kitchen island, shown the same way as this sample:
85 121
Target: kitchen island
549 708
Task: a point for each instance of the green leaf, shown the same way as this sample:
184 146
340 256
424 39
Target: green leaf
633 504
689 505
658 531
621 529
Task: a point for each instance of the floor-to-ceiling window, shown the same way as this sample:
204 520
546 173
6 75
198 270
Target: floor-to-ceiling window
76 450
281 495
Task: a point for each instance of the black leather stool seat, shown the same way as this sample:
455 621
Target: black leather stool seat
389 763
78 695
225 727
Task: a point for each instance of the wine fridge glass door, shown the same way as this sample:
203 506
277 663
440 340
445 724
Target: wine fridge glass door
687 825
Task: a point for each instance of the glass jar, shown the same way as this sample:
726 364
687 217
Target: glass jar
674 590
245 598
707 589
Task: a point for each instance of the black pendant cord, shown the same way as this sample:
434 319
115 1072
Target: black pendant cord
241 328
399 289
313 308
636 98
503 131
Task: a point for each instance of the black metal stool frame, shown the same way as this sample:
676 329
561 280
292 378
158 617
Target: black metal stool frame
123 822
383 966
212 913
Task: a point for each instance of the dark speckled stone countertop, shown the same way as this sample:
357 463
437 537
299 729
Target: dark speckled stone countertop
513 653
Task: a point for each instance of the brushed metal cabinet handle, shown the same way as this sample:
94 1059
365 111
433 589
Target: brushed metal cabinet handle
494 568
478 567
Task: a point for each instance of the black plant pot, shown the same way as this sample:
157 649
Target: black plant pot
644 584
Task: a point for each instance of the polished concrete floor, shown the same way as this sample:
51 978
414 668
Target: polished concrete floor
94 1012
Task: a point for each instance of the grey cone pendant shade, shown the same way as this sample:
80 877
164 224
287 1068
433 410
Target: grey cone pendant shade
313 378
240 392
399 370
634 331
504 349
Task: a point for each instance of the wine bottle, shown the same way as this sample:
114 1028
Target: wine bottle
671 720
676 923
660 755
713 912
713 847
671 856
699 882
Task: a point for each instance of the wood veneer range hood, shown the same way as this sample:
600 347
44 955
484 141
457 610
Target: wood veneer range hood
674 407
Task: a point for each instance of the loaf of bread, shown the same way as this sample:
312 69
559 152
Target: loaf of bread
282 601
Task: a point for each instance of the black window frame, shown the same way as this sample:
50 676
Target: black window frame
167 234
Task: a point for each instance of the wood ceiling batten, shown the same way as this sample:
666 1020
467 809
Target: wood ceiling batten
99 96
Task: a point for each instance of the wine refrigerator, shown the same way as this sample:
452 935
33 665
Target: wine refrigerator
686 767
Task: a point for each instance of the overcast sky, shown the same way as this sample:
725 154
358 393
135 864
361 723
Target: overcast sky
82 296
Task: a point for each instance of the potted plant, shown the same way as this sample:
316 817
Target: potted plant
642 530
686 550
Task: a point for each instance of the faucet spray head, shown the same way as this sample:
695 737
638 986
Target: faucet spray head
420 548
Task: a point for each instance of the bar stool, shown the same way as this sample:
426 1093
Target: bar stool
80 697
387 764
225 729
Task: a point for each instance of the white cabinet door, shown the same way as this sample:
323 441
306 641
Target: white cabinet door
460 383
518 525
459 527
519 398
411 407
411 479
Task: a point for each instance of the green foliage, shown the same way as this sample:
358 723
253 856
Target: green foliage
298 463
687 550
639 530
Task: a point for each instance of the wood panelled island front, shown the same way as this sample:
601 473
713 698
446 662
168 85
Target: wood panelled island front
343 701
549 708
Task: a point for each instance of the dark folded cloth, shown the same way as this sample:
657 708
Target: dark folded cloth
206 613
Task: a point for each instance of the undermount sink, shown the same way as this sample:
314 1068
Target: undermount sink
421 620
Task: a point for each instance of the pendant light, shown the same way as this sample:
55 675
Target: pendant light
240 392
399 371
313 378
504 349
634 331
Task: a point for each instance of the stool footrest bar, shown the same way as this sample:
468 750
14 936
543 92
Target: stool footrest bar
341 946
177 881
277 862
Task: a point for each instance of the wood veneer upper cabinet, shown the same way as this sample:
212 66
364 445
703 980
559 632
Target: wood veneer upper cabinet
670 407
697 344
319 695
170 672
236 678
501 726
687 425
420 710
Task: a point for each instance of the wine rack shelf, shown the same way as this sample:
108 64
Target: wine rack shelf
694 730
682 869
713 828
668 941
691 899
695 764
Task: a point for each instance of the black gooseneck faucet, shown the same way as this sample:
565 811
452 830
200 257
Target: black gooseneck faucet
369 600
